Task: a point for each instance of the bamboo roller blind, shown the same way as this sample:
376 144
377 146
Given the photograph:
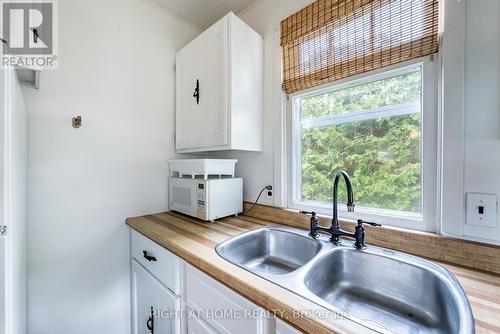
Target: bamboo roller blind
334 39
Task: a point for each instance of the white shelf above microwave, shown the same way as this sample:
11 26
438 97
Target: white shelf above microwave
202 167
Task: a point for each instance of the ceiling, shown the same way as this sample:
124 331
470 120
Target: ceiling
202 13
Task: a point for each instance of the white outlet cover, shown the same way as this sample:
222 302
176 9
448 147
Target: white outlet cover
489 204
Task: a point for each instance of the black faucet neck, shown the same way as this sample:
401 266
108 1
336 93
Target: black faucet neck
335 231
350 197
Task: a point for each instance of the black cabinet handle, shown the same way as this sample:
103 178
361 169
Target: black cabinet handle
196 93
148 257
151 321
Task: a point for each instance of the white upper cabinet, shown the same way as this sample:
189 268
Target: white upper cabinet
219 88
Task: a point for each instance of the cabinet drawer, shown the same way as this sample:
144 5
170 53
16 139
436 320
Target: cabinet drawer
162 263
222 308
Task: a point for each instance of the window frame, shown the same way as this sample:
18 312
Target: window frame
427 220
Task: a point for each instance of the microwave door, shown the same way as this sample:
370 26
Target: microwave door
183 196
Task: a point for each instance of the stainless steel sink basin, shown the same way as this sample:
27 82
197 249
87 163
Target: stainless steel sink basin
404 296
270 251
386 291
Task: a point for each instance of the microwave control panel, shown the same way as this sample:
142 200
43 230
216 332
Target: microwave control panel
201 200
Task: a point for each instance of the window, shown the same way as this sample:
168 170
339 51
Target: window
381 129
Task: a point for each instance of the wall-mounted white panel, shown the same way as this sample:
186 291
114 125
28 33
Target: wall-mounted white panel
481 210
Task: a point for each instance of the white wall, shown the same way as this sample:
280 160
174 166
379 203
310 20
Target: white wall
482 105
116 70
260 169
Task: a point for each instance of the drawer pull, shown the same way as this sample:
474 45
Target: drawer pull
196 93
151 321
148 257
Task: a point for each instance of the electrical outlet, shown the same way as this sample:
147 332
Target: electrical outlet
481 210
269 191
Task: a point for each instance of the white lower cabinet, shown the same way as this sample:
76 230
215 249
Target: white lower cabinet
169 296
154 306
284 328
196 325
218 309
164 265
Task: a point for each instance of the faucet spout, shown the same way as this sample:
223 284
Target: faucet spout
350 197
334 230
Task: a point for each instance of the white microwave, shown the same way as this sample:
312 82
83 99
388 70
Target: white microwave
206 199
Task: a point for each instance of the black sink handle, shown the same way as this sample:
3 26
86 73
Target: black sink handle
313 224
359 234
361 222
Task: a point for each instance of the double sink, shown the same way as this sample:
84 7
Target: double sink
386 291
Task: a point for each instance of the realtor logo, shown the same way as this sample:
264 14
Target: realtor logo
29 33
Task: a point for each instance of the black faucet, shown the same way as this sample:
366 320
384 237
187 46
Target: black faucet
334 230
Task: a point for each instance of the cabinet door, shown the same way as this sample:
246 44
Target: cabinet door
198 326
203 124
221 308
154 307
284 328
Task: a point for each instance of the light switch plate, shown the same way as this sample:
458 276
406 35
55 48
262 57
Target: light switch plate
481 210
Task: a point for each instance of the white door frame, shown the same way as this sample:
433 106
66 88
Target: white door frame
12 205
5 241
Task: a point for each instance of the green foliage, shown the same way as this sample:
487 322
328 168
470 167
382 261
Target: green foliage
381 155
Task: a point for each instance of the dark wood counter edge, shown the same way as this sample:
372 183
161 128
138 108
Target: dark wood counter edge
468 254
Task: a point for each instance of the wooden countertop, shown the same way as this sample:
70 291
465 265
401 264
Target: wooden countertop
195 241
